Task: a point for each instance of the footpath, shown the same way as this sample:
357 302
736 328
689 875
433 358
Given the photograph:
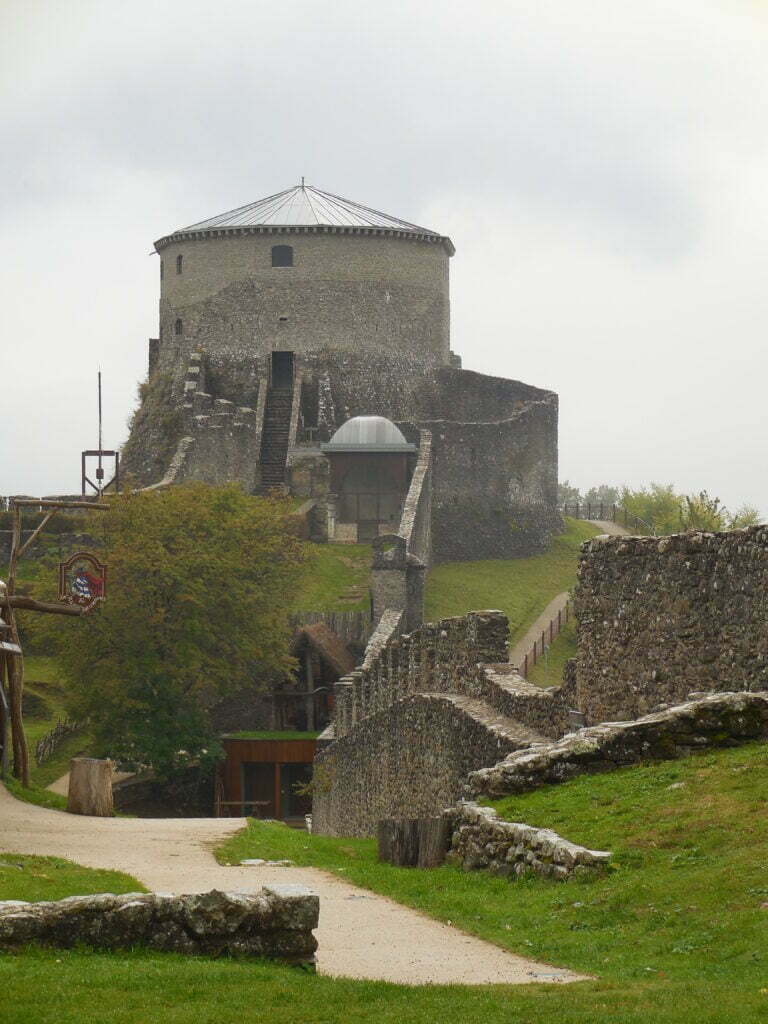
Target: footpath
361 934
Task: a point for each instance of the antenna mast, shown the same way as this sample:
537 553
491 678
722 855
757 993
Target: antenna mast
100 469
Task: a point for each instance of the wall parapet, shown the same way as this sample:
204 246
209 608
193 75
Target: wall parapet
439 657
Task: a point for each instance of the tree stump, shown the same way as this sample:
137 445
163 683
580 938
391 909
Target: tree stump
413 842
90 787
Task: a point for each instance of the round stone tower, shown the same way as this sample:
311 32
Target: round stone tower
302 271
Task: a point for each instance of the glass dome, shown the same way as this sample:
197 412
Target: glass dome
368 434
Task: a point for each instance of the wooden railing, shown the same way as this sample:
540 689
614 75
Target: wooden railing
605 512
47 745
540 644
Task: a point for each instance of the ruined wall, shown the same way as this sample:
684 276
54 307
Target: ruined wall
661 617
400 561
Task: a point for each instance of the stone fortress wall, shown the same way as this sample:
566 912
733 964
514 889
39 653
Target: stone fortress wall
661 617
669 630
365 313
344 292
424 710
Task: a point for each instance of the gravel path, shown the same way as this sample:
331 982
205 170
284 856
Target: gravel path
361 935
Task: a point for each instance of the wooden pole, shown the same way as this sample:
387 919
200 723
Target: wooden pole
16 663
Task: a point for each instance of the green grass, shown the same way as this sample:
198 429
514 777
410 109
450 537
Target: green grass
548 671
675 935
256 735
336 579
23 877
519 587
679 916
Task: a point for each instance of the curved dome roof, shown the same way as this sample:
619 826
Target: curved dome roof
368 434
303 207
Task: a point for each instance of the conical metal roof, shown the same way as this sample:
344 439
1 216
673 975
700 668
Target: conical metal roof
305 205
306 208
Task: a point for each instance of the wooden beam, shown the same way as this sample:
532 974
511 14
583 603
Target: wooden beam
21 601
48 503
35 533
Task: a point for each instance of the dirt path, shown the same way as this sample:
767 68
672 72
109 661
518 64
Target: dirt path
361 935
557 604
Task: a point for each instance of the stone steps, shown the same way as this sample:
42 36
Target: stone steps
275 437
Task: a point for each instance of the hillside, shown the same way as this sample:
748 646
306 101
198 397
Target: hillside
676 933
519 587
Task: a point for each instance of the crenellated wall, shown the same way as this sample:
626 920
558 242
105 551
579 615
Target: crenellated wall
421 709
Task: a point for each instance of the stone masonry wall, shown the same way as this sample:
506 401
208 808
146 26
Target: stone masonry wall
714 720
420 709
345 291
660 617
276 922
400 561
512 849
410 760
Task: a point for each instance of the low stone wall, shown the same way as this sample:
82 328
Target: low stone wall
276 923
659 617
715 720
512 849
409 760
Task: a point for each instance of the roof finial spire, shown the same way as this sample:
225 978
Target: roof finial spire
302 181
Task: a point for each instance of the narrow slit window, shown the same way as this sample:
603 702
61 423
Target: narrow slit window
179 264
282 255
178 328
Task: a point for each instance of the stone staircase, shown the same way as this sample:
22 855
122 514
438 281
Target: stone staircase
275 436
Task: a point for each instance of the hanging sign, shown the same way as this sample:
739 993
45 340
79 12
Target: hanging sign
82 580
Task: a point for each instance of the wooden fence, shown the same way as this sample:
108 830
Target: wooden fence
47 745
350 627
604 512
540 644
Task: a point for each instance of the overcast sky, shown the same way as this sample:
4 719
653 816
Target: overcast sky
601 166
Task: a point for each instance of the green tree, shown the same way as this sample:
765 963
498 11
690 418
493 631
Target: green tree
747 515
603 494
200 583
567 494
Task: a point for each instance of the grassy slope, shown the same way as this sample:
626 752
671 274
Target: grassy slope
41 677
24 877
676 934
337 578
520 587
549 671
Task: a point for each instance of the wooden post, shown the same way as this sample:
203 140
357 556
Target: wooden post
90 787
16 664
412 842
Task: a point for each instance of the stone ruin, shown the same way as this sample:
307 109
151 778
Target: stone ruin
275 923
672 642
